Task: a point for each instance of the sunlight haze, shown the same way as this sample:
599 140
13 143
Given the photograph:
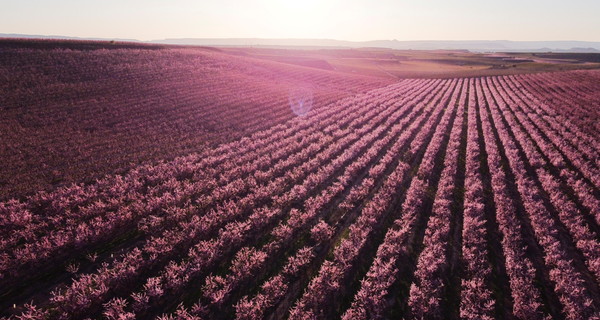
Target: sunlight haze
355 20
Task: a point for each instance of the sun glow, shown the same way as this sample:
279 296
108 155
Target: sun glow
305 5
355 20
300 18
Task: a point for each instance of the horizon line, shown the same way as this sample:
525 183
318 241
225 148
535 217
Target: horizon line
59 36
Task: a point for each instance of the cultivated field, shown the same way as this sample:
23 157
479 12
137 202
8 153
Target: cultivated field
399 64
75 111
466 197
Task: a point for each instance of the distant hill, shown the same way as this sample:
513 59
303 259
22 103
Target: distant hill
37 36
471 45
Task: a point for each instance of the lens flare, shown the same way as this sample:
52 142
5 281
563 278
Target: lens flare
301 101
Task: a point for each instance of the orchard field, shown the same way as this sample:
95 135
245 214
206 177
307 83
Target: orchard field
445 198
72 112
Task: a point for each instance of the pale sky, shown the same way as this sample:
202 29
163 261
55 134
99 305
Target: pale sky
355 20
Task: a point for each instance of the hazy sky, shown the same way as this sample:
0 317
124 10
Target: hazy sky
333 19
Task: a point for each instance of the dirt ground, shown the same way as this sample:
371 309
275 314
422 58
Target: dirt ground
423 64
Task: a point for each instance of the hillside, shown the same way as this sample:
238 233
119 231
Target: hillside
72 111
